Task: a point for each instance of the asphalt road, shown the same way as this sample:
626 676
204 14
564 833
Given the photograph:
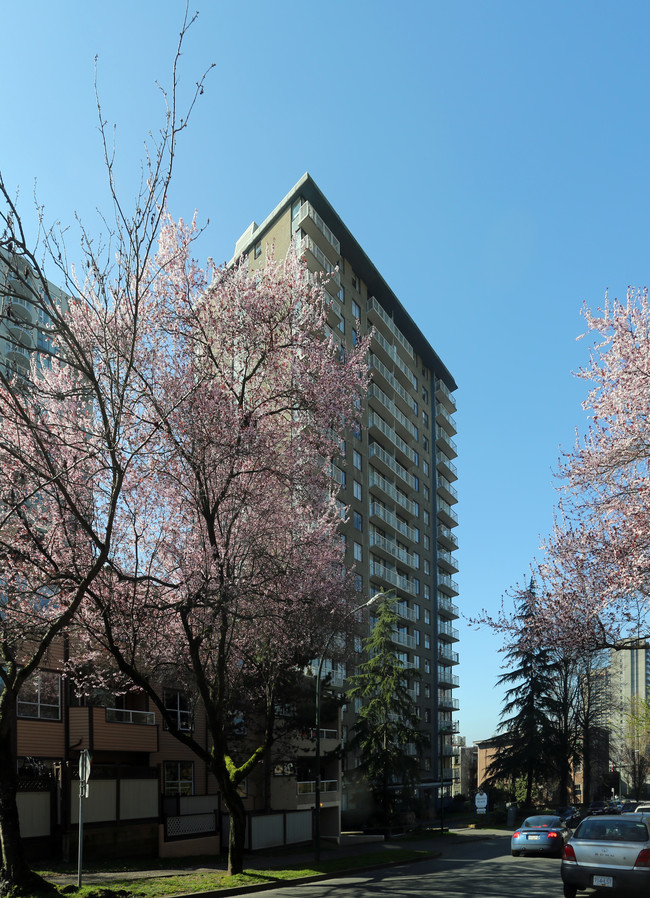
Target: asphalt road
483 869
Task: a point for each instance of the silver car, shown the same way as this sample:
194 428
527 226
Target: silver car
610 853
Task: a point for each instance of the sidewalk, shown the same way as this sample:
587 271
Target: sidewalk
352 845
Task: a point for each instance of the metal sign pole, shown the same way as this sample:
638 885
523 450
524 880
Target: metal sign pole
84 776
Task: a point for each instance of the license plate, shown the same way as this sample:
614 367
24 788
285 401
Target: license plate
606 881
532 837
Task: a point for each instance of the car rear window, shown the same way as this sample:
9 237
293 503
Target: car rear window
612 830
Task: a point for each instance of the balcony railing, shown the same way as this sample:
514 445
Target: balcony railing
446 676
384 514
379 570
447 514
446 607
119 715
308 211
377 479
444 394
447 584
374 420
391 462
375 306
445 442
393 354
392 380
376 392
307 787
391 548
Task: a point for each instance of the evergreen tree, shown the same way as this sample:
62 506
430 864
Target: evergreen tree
526 730
388 722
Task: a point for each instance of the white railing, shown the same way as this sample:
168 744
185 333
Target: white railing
385 400
307 787
379 570
393 521
391 547
119 715
375 420
376 450
308 211
392 380
390 324
377 479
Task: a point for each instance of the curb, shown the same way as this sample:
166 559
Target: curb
301 880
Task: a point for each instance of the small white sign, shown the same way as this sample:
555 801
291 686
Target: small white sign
481 801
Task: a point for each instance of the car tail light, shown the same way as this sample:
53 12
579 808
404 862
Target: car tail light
553 835
516 835
568 854
643 859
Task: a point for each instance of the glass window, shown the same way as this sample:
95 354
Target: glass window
356 459
358 582
357 520
295 208
355 337
178 777
40 697
177 705
357 489
427 641
356 311
427 517
425 467
258 250
358 552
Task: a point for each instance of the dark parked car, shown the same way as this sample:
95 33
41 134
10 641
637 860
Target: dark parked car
571 815
597 807
541 834
610 853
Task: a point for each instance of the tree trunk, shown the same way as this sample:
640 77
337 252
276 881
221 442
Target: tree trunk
237 836
15 877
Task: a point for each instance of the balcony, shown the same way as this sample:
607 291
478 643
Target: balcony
389 547
314 225
390 462
377 312
447 632
446 561
388 517
378 481
446 514
446 467
375 392
448 726
375 422
113 729
446 537
446 608
443 394
446 491
381 372
378 570
404 611
306 245
444 419
446 654
330 741
445 443
308 787
447 585
399 364
446 702
447 678
399 637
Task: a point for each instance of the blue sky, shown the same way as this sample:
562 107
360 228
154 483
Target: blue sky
490 157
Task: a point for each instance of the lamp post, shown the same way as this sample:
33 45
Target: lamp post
443 729
319 674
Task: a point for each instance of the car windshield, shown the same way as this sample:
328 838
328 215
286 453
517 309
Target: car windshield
546 821
618 830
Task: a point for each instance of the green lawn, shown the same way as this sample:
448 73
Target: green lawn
166 886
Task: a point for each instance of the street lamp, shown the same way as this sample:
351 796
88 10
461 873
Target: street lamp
444 729
319 673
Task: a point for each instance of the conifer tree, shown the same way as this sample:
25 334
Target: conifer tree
388 722
526 728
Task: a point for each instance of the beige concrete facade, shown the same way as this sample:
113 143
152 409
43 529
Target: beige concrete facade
397 475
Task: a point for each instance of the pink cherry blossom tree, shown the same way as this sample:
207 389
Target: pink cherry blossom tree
230 531
71 423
